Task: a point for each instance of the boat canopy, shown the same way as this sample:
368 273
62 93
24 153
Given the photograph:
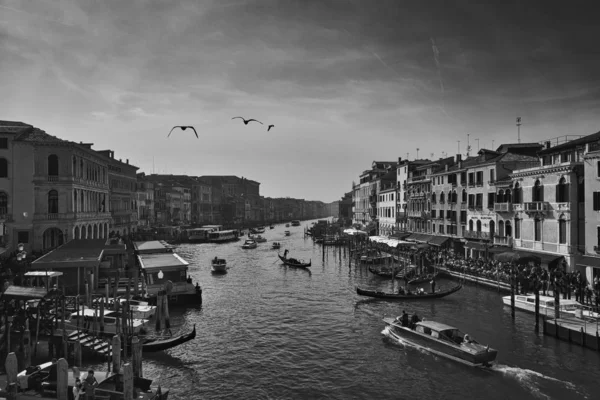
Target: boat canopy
436 326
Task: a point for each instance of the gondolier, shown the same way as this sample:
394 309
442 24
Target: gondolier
432 283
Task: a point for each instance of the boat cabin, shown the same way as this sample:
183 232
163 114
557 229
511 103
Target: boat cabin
213 227
440 331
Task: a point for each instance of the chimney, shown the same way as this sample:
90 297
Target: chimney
127 161
446 167
458 158
548 144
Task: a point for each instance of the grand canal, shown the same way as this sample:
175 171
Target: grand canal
270 331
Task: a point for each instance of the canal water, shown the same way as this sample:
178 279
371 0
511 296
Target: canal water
267 331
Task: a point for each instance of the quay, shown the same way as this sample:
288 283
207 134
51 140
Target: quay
505 287
574 330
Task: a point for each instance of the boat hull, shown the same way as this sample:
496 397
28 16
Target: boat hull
464 353
396 296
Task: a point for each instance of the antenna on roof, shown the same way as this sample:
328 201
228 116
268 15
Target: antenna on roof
518 129
458 147
468 145
418 153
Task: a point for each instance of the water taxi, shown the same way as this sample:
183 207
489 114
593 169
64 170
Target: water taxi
219 265
568 308
249 244
441 339
139 309
295 222
276 245
199 235
260 239
223 236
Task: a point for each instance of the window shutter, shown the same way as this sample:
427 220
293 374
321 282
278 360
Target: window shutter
566 192
558 199
541 193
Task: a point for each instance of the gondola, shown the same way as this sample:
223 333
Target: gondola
154 345
422 279
414 296
292 262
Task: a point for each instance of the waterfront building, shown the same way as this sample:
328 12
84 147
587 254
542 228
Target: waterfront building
202 203
346 208
365 194
547 199
386 205
447 207
588 256
122 178
145 200
57 190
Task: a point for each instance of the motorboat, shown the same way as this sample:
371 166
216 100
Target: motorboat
219 265
139 309
250 244
87 317
287 233
260 239
568 308
295 222
441 339
276 245
287 225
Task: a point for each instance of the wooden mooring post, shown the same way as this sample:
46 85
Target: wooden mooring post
512 291
12 369
136 357
62 382
537 309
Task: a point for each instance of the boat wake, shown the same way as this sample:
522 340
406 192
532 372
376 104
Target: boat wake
534 381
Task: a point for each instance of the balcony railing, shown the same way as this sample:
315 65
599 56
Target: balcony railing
52 178
503 240
477 235
471 184
536 206
563 206
503 207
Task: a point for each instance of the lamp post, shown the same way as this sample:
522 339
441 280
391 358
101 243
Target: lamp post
21 259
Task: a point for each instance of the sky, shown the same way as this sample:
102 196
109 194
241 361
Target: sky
344 82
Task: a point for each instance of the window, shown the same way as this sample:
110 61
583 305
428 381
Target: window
492 175
538 191
537 230
562 230
598 169
441 213
517 229
74 166
441 228
464 196
562 191
433 200
471 200
565 157
52 165
479 200
471 178
3 143
471 225
491 200
454 197
480 178
23 237
598 236
3 168
478 225
3 203
517 194
596 201
442 198
52 202
463 217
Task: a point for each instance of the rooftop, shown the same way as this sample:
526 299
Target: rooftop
572 144
74 251
161 260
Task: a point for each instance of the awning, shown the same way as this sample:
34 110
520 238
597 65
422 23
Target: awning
546 258
400 235
24 293
475 246
438 240
498 249
587 261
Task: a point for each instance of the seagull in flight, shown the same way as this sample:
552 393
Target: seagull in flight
248 120
269 128
183 128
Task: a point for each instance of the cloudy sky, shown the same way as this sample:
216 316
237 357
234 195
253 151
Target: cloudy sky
344 82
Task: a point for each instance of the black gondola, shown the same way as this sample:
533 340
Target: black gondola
154 345
292 262
422 279
413 296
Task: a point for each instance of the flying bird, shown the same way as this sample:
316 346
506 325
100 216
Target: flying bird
183 128
269 128
248 120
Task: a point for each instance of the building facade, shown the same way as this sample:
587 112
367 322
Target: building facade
588 260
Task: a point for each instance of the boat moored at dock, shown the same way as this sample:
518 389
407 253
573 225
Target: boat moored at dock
223 236
567 307
441 339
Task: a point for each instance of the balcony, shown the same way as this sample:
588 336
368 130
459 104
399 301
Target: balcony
463 206
535 207
563 207
503 241
477 235
503 207
52 178
479 183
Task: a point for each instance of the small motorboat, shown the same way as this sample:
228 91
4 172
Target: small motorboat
287 225
250 244
219 265
260 239
287 233
441 339
276 245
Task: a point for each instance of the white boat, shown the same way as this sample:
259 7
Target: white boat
139 309
249 244
441 339
223 236
86 316
260 239
295 222
568 308
219 265
199 235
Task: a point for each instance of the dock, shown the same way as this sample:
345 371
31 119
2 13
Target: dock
476 279
574 330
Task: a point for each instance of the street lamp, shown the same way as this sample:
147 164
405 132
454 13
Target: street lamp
21 257
160 274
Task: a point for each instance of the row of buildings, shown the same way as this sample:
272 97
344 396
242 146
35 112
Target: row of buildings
540 199
53 190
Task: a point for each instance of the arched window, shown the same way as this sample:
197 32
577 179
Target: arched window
537 229
75 200
74 166
508 196
3 203
3 168
52 202
471 225
562 191
52 165
538 191
492 228
478 225
517 194
507 229
442 198
454 197
501 228
562 229
464 196
500 196
433 199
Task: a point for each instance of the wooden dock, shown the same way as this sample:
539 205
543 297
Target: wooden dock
91 343
574 330
476 279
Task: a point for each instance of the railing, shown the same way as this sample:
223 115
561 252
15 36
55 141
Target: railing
52 178
492 182
536 206
503 240
463 206
503 207
479 207
418 178
563 206
476 235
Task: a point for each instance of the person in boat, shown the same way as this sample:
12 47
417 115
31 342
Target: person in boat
404 318
432 283
466 338
413 321
401 290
